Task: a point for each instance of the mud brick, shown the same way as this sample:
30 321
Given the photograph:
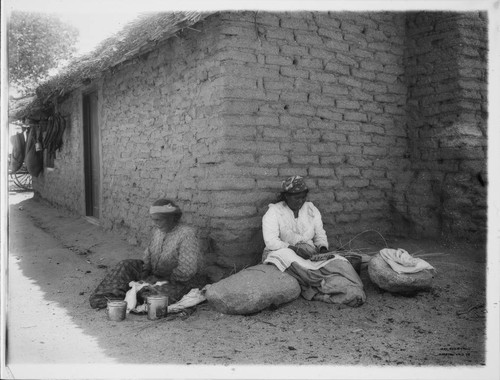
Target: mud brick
348 104
294 50
278 60
372 66
355 116
273 159
293 72
279 33
346 171
308 38
337 68
321 172
356 182
349 81
295 23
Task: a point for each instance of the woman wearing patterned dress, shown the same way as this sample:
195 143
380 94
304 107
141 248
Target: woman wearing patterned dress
173 255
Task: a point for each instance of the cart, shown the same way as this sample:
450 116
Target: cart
21 178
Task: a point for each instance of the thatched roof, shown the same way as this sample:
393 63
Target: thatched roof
20 108
138 37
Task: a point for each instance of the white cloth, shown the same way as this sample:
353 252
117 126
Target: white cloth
131 296
194 297
283 258
280 228
402 262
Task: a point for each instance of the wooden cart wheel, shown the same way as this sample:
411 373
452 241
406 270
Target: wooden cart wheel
22 179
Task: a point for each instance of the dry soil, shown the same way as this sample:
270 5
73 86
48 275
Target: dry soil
65 257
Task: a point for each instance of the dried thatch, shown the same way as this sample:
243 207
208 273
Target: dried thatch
21 108
138 37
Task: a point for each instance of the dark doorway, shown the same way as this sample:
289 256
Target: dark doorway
92 160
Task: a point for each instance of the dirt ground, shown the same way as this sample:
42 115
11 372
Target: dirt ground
64 257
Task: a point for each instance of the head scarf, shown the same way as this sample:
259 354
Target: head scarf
166 207
293 185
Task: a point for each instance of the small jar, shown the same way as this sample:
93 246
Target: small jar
156 306
116 310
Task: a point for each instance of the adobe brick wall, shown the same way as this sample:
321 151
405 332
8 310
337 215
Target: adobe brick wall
217 118
160 128
446 69
322 95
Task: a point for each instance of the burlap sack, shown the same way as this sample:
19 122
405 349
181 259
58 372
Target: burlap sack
389 280
252 290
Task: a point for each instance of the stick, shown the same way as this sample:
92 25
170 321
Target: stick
269 323
361 233
430 254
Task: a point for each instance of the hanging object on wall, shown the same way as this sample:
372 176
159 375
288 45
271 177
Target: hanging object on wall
53 140
18 152
34 157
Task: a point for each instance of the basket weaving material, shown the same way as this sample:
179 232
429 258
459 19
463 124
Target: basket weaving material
352 257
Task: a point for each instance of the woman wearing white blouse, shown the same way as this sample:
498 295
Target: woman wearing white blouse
293 223
293 232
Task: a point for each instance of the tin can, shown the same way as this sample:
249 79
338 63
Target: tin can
116 310
157 306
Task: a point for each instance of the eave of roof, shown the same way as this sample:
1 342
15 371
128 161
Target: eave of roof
28 106
138 37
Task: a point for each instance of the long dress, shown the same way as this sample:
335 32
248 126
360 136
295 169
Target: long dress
174 256
331 281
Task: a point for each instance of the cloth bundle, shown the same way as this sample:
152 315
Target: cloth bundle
194 297
135 287
402 262
330 281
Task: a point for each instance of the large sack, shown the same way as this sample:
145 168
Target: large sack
252 290
34 162
18 150
405 283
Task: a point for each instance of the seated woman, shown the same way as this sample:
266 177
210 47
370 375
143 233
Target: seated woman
173 255
293 232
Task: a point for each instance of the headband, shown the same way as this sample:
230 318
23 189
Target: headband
168 208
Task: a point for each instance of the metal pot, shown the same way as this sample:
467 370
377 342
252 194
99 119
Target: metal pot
116 310
156 306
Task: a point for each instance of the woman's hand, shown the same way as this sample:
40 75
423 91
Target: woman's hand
300 252
303 253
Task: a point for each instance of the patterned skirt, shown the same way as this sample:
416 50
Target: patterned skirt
116 285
